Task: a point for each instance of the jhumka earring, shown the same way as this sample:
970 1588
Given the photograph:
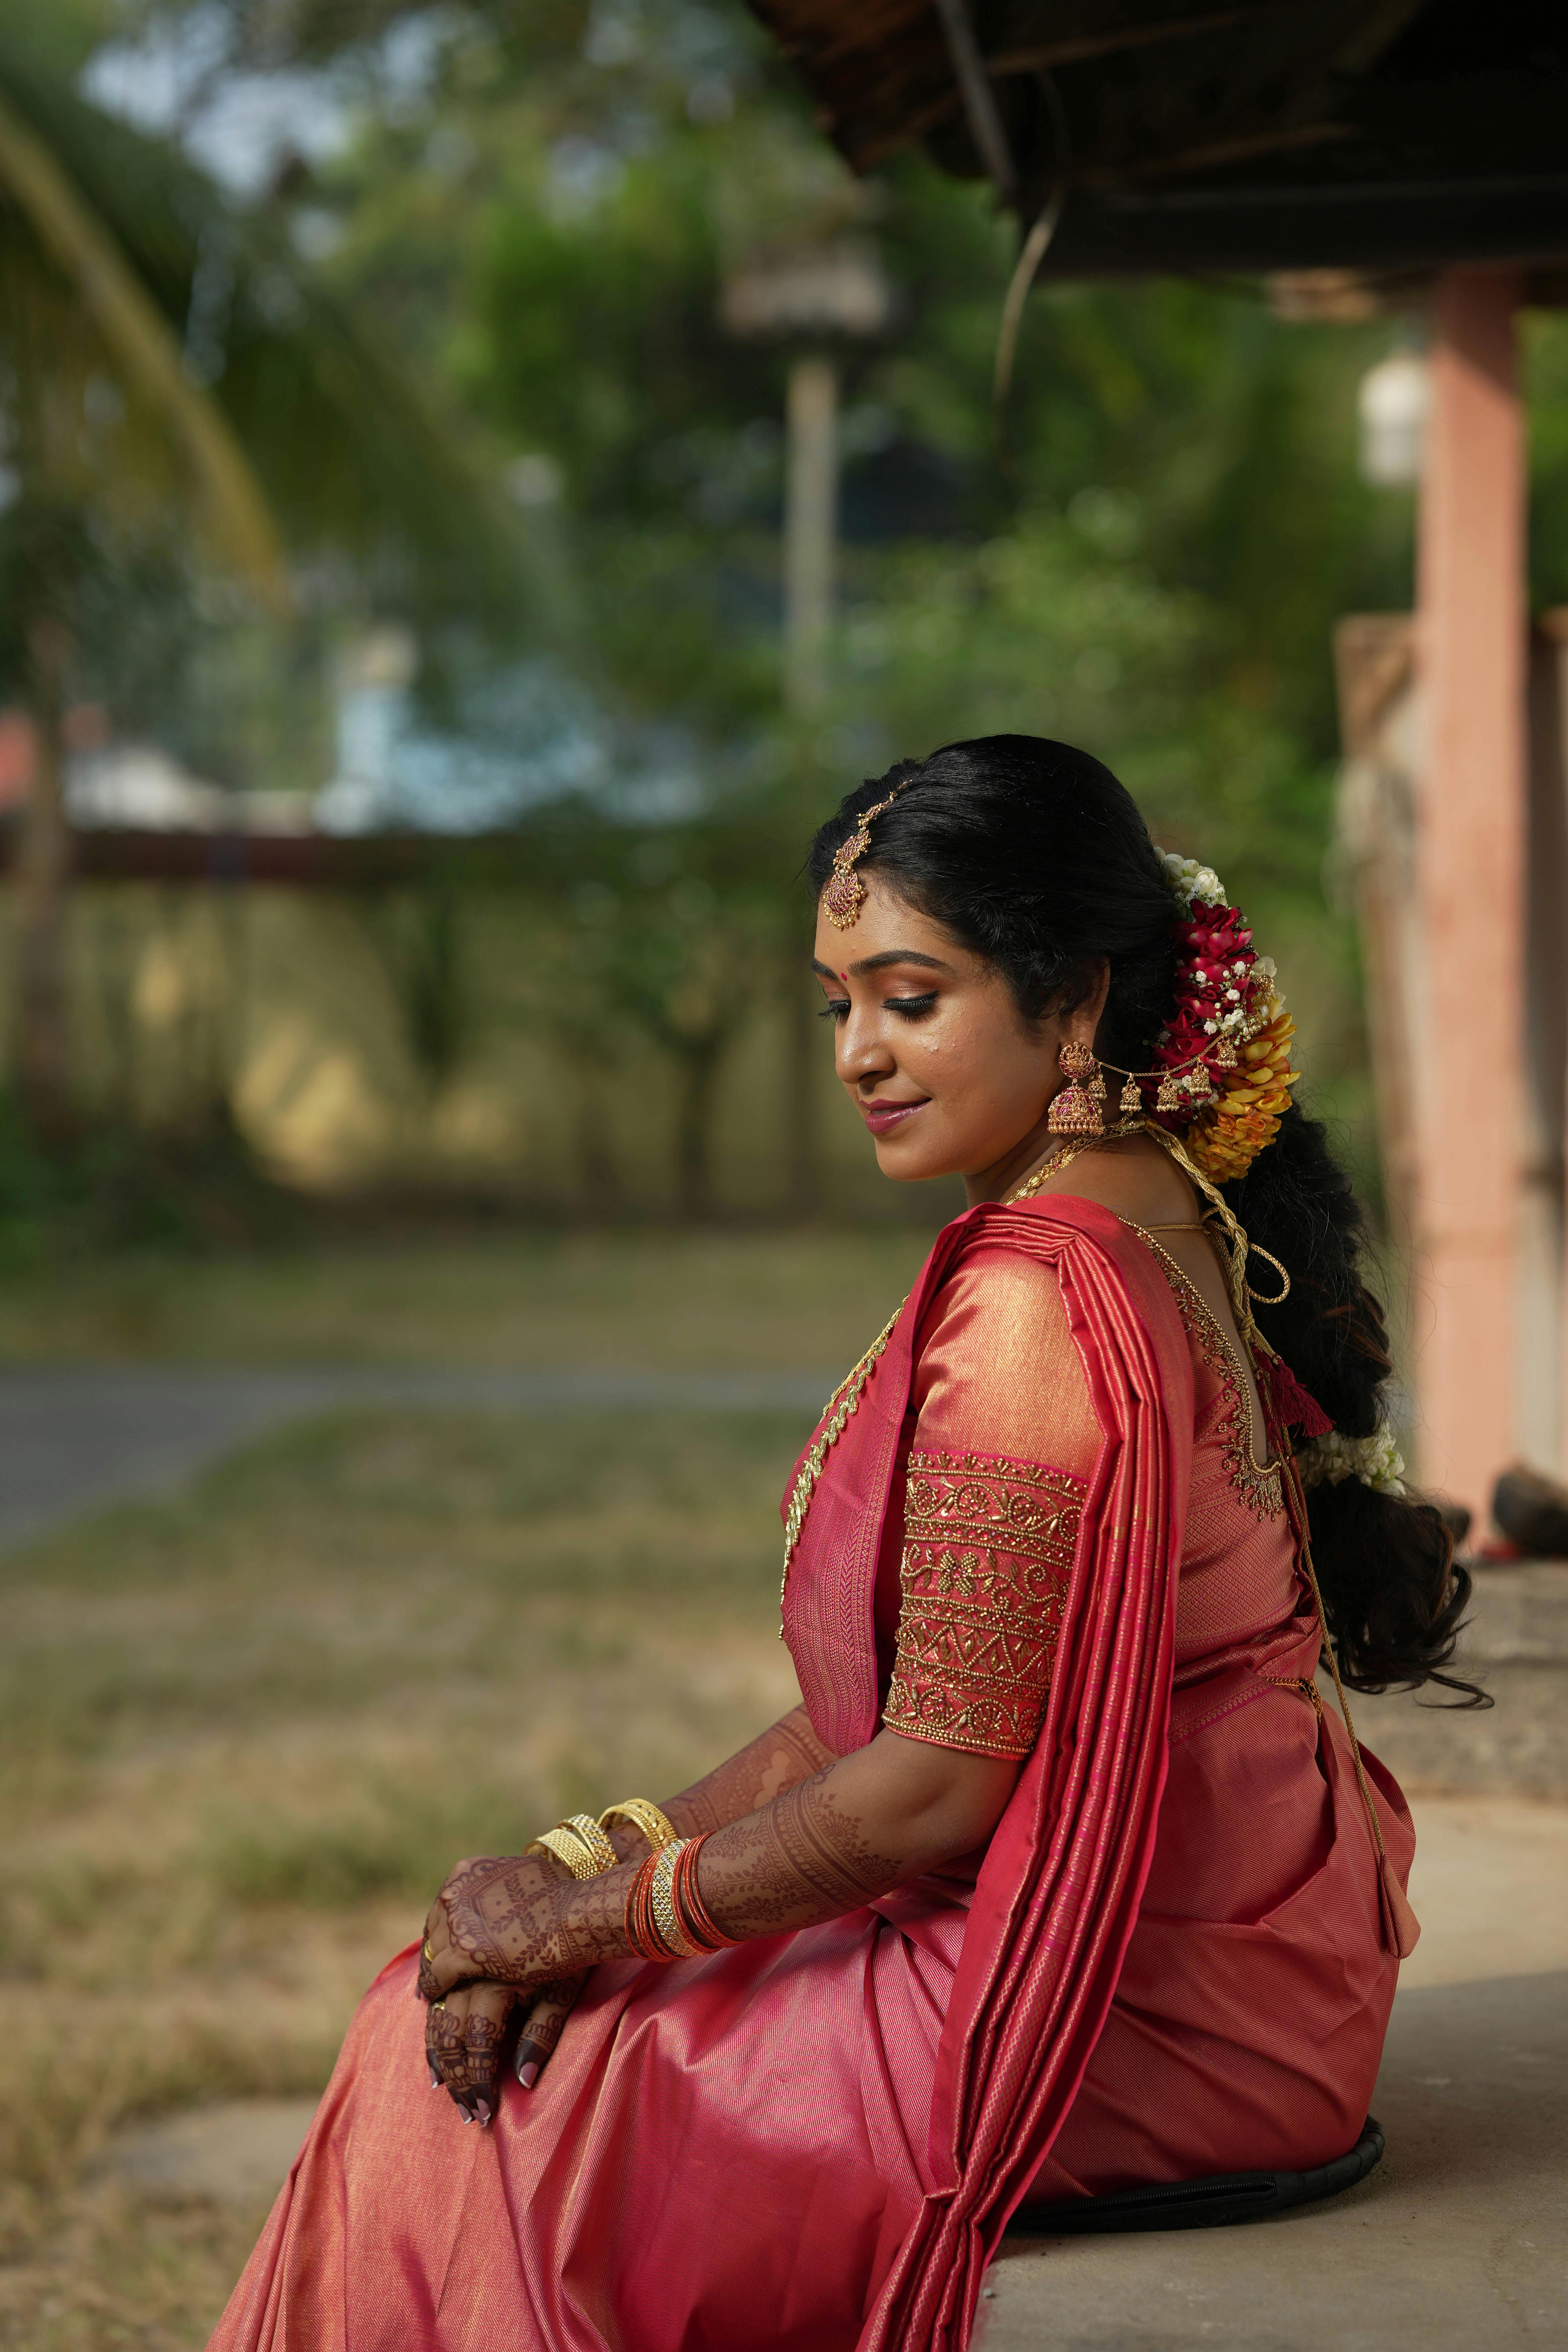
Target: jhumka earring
1073 1111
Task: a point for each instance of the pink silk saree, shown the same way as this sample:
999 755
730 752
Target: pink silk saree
811 2143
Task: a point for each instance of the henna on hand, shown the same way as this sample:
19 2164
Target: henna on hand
495 1919
463 2038
445 2049
823 1836
543 2026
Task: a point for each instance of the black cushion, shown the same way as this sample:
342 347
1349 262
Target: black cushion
1211 2204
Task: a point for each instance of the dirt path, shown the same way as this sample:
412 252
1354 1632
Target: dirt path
71 1440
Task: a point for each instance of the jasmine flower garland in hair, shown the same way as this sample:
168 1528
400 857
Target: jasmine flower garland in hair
1375 1461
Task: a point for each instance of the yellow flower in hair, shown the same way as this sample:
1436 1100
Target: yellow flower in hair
1245 1118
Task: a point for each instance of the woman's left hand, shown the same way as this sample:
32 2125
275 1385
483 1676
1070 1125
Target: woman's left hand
493 1918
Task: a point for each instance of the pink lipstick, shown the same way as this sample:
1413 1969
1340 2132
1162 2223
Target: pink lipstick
882 1118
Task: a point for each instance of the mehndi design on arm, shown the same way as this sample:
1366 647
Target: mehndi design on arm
789 1751
798 1860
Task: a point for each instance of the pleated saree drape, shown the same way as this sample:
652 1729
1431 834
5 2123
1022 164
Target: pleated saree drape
1058 1894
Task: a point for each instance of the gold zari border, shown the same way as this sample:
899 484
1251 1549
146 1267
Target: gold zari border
988 1553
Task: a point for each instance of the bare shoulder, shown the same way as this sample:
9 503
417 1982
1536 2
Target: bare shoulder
1135 1178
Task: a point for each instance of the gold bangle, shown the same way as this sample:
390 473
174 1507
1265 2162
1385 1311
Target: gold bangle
580 1843
601 1851
657 1827
565 1849
662 1900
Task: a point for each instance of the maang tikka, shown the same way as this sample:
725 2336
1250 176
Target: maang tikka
1075 1109
845 893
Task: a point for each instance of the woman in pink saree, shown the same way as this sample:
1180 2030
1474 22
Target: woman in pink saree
1061 1879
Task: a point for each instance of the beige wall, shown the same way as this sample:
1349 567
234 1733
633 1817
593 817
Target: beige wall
278 1001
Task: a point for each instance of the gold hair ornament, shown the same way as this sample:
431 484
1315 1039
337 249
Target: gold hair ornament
844 894
1237 1248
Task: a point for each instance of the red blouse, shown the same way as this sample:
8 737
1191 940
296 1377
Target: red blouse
985 1549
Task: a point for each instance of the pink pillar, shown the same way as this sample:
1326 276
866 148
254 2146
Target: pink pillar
1470 839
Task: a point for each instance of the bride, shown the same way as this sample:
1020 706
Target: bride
1060 1878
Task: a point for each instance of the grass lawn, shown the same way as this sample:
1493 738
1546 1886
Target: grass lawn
242 1733
694 1300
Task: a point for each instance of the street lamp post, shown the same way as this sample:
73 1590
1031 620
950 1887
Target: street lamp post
811 530
812 297
815 298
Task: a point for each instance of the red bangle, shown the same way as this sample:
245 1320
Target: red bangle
696 1920
641 1929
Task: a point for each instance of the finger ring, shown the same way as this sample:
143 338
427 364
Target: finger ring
428 1953
439 2004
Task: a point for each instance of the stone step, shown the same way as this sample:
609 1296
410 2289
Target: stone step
1456 2242
1516 1646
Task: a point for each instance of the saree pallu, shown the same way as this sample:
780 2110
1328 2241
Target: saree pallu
811 2142
1058 1893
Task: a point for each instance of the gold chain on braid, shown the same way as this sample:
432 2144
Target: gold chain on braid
1304 1540
1237 1250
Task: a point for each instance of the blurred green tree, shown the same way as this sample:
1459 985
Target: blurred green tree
174 372
666 937
546 216
549 220
539 207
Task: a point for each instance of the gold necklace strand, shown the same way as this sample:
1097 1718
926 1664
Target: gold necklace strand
845 1400
1064 1158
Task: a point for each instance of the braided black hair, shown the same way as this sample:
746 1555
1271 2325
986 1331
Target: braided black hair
1036 857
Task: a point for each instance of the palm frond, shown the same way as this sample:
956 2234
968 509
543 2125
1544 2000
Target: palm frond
207 314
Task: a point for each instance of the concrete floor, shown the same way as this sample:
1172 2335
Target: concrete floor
1515 1645
1459 2243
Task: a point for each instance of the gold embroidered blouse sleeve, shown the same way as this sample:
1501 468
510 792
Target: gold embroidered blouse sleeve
1003 1445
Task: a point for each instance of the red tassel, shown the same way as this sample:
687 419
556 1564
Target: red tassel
1294 1406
